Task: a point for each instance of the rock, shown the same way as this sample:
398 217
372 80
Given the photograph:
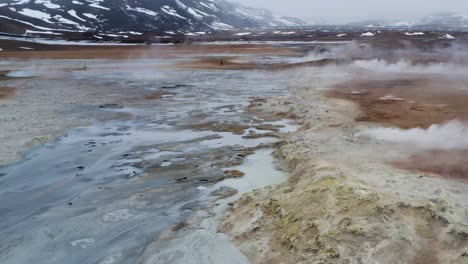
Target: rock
179 226
181 179
173 86
234 173
111 106
224 192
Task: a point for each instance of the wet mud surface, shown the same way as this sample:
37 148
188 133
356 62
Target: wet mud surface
153 168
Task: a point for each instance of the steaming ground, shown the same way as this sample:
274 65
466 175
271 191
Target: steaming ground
377 171
452 135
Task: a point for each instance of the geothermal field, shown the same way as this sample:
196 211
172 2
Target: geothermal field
338 150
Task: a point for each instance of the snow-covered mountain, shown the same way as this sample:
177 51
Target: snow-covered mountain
16 16
445 21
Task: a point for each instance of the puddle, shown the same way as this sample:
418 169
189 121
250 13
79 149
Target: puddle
285 125
230 139
202 243
259 172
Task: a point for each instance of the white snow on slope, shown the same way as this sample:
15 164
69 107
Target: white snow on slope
448 36
220 26
142 10
415 34
26 23
90 15
73 14
35 14
48 4
243 34
96 4
367 34
20 2
170 11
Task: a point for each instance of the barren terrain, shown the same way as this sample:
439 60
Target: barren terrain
376 172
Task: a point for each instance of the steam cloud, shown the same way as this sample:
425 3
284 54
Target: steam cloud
452 135
404 66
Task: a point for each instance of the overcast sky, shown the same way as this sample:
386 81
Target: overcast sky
353 10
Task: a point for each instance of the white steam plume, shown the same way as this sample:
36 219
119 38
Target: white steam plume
403 66
452 135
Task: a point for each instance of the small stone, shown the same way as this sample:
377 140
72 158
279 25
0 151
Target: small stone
110 106
181 179
234 173
224 192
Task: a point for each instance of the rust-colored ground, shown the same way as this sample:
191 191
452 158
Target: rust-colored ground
6 92
234 63
447 163
220 63
413 101
407 102
124 52
157 95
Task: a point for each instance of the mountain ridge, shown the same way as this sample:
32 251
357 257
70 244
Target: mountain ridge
134 15
438 21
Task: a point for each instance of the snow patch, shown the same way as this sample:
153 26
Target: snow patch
47 4
88 15
170 11
73 14
243 34
448 36
415 34
367 34
142 10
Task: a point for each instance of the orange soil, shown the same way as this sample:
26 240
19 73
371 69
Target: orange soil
409 102
124 52
6 92
229 63
452 163
406 103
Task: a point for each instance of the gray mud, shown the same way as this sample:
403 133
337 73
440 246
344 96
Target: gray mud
139 185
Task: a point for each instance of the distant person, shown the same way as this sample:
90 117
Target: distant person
221 64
